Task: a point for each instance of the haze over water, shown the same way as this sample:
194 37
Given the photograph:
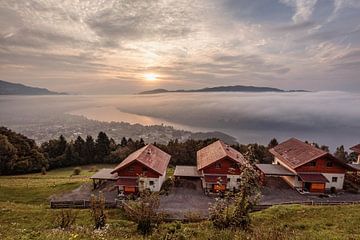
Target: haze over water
330 118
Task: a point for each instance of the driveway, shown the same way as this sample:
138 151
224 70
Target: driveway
188 197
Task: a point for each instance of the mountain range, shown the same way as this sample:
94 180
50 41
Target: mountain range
8 88
236 88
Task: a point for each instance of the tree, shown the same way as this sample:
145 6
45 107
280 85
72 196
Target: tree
234 210
123 142
273 143
79 150
340 153
89 151
102 147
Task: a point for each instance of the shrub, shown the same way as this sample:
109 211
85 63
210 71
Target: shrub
233 211
193 216
93 169
77 171
43 171
66 218
143 211
97 204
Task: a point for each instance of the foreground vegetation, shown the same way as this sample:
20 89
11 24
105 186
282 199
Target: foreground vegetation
25 214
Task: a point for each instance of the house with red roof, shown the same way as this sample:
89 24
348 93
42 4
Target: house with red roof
142 169
309 168
220 167
356 149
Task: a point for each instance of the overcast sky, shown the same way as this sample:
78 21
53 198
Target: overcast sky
125 46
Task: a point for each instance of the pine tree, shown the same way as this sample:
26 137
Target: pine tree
102 147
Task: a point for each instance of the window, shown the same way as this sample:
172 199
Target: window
218 165
131 169
329 164
234 165
238 180
144 169
334 179
151 183
228 179
312 163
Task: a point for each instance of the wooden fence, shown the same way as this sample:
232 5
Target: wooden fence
78 204
311 203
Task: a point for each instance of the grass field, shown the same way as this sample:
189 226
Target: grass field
25 214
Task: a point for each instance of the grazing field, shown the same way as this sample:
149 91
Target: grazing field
25 214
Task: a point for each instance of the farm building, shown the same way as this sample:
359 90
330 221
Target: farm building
143 169
219 167
356 149
306 167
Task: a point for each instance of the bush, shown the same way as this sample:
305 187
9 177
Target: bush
234 210
77 171
93 169
143 211
193 216
66 218
97 204
43 171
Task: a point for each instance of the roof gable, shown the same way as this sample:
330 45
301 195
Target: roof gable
215 152
150 156
295 153
356 148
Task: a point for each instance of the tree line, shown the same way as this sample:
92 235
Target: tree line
19 154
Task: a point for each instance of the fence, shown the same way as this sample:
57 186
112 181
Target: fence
312 203
78 204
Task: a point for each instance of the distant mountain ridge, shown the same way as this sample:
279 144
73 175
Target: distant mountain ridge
236 88
8 88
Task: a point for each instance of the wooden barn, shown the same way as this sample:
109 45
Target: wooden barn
308 168
219 165
143 169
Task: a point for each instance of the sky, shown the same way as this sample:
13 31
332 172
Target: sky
126 46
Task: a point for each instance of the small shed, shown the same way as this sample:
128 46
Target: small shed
102 176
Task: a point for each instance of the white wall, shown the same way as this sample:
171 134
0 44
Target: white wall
340 180
233 182
157 183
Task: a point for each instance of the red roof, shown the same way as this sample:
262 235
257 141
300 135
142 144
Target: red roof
313 177
150 156
356 148
295 153
216 179
216 151
129 182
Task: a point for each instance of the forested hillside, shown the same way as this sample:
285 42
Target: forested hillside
19 154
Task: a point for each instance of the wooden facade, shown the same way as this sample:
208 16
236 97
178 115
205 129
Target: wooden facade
324 164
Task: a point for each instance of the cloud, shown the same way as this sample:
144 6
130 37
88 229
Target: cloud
188 43
303 9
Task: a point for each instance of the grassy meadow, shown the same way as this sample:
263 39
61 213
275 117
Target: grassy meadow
25 214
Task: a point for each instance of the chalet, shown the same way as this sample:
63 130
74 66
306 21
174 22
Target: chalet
306 167
356 149
143 169
219 165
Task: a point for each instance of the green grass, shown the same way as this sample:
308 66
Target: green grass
25 214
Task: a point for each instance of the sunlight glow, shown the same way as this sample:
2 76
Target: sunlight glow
150 76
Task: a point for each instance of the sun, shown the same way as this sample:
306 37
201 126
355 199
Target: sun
150 76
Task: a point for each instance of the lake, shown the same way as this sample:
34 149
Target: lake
331 118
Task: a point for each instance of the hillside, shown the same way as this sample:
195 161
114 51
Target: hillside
236 88
8 88
25 215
